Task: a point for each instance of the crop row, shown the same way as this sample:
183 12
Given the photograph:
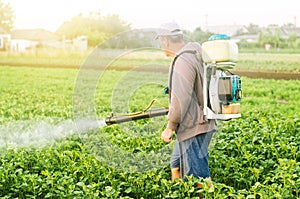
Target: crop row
256 156
278 62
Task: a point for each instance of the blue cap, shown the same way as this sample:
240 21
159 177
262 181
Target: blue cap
218 37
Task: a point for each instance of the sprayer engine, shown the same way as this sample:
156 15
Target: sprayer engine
230 89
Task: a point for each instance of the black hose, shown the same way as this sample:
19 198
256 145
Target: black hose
127 118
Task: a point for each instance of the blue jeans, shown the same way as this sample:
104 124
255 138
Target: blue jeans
191 156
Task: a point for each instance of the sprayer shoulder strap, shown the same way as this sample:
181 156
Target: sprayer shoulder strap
172 68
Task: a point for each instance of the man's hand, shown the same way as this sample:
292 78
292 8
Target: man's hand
167 135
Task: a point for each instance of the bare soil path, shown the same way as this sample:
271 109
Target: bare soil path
242 73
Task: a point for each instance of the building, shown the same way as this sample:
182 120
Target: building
4 39
24 39
229 30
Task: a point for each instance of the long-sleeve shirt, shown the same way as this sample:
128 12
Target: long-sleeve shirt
186 94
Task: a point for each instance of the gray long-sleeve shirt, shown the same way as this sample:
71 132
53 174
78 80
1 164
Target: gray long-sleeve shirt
186 101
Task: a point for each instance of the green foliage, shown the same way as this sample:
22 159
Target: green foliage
251 29
130 40
259 149
278 96
257 60
273 35
198 35
256 156
28 93
275 62
97 27
6 16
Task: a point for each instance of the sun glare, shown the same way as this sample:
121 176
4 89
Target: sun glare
50 14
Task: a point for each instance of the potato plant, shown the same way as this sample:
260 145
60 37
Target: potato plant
256 156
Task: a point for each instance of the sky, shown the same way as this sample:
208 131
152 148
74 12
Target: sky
189 14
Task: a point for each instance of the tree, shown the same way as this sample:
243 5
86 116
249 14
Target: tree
271 35
6 16
289 25
293 41
251 29
198 35
96 27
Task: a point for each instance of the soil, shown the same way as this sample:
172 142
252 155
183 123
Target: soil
242 73
268 74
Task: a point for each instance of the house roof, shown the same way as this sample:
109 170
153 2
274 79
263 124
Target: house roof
253 37
34 35
291 30
229 30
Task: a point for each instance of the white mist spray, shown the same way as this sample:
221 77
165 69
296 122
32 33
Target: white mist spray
41 133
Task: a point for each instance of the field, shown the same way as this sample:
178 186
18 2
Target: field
54 145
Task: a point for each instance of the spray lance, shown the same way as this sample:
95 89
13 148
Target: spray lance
222 92
146 113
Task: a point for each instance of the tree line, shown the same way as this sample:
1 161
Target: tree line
112 31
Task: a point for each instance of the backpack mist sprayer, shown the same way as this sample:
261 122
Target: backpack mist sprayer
222 90
221 102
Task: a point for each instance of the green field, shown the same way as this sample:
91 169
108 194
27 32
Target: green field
247 61
256 156
270 62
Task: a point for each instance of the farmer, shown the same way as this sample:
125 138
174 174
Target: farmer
185 117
